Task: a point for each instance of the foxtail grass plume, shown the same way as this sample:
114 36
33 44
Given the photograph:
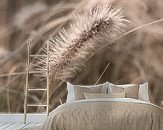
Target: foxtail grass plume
89 31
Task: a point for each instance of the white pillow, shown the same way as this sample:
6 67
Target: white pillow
144 92
71 93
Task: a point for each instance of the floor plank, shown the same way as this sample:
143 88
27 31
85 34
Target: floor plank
30 125
12 127
5 126
1 124
39 124
21 126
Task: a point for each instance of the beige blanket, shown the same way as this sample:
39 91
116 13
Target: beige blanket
126 114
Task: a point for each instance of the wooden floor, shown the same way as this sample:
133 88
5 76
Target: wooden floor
15 121
17 126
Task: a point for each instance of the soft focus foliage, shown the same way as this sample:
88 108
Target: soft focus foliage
135 58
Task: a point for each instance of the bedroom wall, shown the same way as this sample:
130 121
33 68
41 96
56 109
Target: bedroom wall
136 58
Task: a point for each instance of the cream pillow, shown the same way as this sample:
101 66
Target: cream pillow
137 91
131 91
76 92
101 95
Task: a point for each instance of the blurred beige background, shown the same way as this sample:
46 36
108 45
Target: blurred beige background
136 58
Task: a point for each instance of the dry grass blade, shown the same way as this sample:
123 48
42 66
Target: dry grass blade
90 30
102 74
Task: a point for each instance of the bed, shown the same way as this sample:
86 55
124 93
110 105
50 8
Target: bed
106 114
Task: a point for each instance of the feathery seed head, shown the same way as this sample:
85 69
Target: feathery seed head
88 32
